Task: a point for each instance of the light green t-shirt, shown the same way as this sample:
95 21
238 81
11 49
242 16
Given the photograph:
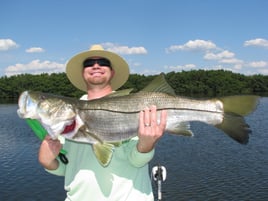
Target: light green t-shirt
126 178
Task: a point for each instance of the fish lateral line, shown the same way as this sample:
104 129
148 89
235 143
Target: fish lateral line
158 109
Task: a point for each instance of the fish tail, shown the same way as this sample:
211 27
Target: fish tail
235 127
235 108
241 105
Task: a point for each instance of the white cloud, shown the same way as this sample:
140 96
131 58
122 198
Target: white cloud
225 57
258 64
222 59
135 64
35 67
193 45
218 56
180 67
219 67
238 66
231 61
259 42
35 49
124 49
7 44
263 71
149 72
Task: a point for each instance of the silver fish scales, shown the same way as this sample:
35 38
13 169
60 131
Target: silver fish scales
108 121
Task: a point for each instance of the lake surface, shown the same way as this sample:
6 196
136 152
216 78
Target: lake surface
209 166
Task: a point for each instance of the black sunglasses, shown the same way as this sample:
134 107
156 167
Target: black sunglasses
101 61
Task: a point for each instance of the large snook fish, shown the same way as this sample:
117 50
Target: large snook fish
107 121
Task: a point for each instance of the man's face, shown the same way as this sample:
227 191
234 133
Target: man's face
97 72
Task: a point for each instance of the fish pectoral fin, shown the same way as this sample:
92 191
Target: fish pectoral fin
103 152
183 128
235 127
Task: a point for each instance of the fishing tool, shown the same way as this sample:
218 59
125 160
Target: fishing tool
41 133
159 174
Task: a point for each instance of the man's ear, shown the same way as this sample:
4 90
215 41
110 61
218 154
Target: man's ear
113 73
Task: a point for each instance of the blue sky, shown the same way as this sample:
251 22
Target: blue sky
152 35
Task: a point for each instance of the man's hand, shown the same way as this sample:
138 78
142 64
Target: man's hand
150 131
49 150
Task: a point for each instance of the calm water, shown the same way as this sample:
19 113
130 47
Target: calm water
209 166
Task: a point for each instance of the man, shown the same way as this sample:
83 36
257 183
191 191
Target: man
99 73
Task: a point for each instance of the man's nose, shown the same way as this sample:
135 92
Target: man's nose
96 65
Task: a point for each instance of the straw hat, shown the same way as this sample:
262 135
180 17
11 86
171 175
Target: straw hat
74 67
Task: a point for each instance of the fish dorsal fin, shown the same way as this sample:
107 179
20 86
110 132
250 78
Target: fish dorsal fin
103 152
159 84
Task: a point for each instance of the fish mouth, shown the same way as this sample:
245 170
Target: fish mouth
21 104
25 105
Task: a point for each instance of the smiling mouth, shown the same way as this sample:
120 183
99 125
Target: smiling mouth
97 73
69 128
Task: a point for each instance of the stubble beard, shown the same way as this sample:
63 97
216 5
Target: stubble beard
98 81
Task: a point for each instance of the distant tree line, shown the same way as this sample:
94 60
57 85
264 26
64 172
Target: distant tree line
195 83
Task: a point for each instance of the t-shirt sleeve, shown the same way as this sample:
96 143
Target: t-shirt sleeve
137 158
60 171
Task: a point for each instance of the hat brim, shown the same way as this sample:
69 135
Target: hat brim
74 68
